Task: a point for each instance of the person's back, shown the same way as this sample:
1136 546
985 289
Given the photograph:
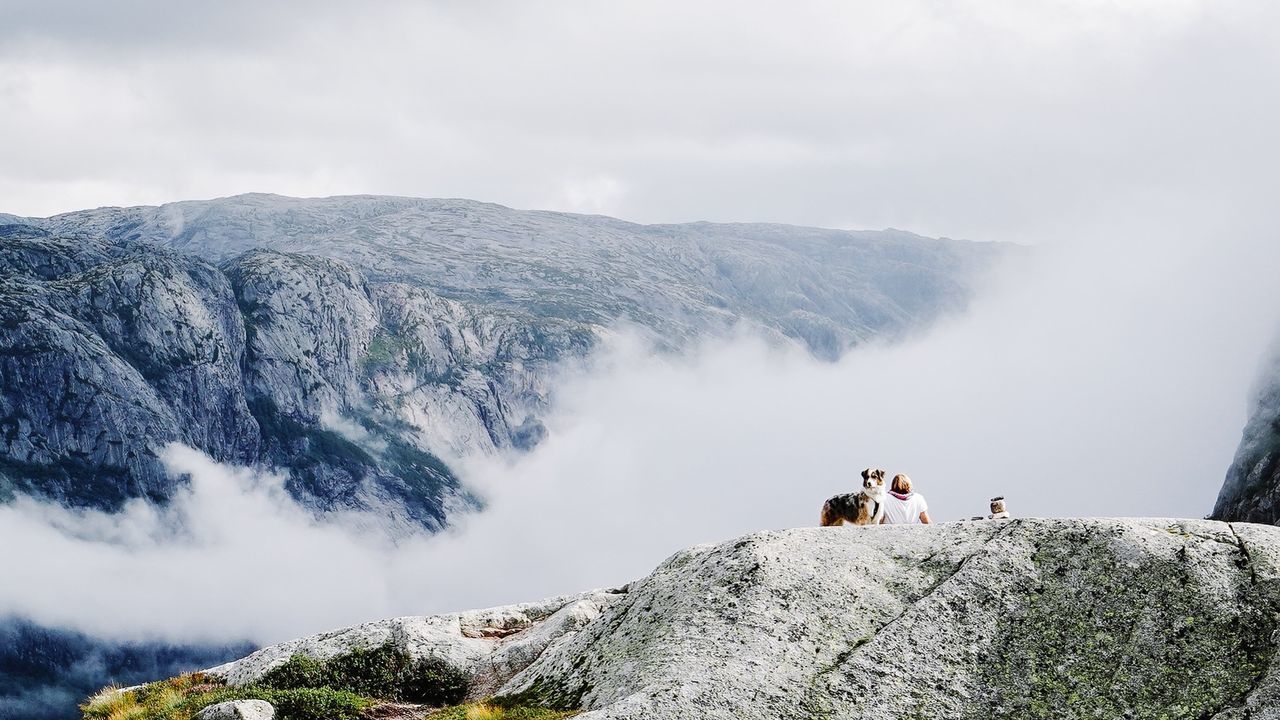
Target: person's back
904 507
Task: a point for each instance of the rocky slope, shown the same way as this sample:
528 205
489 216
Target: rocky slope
360 343
828 288
1020 619
1251 491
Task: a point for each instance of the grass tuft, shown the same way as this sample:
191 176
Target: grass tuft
493 711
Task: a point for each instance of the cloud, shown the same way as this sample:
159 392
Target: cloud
598 195
1094 378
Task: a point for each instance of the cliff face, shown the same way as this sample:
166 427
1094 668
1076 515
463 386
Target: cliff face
360 343
1018 619
108 352
107 355
1251 491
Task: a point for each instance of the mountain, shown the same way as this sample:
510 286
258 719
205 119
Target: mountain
828 288
362 343
988 619
1251 491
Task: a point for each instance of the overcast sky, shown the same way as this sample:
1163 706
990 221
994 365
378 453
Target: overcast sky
1003 119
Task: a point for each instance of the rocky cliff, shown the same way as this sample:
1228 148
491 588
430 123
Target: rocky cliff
1251 491
1019 619
361 343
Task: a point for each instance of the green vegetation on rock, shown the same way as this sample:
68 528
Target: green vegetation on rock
182 697
302 688
1104 636
385 672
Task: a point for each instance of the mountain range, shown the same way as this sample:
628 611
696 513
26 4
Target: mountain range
361 344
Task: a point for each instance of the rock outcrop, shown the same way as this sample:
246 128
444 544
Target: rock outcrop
238 710
1019 618
1251 491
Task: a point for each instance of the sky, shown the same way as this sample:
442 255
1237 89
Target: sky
992 120
1106 374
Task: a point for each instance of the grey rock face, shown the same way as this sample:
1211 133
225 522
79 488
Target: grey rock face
1018 618
31 252
464 377
100 367
1251 491
310 322
238 710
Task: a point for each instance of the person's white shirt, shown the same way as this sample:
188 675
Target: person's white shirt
904 512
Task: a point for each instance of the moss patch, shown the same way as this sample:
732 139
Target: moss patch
1101 637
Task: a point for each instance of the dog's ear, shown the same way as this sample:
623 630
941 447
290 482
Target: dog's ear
866 473
880 475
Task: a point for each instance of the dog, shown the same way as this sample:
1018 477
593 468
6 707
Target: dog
865 507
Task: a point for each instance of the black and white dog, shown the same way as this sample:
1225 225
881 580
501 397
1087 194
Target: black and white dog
865 507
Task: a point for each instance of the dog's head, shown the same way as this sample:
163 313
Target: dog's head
873 479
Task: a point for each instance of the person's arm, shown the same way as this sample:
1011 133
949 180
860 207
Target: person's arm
924 517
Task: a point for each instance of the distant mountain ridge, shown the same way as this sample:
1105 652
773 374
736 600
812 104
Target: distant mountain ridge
827 288
362 342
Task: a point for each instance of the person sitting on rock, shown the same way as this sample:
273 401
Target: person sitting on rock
998 511
904 507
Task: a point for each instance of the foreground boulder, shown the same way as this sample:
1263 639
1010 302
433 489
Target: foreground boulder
1020 618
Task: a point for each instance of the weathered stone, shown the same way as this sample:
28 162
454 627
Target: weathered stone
489 646
238 710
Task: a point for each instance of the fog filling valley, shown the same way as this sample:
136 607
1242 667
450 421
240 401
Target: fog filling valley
1093 377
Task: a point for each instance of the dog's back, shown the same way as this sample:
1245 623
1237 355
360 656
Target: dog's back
841 509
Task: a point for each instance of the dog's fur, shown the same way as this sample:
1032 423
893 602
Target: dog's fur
865 507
